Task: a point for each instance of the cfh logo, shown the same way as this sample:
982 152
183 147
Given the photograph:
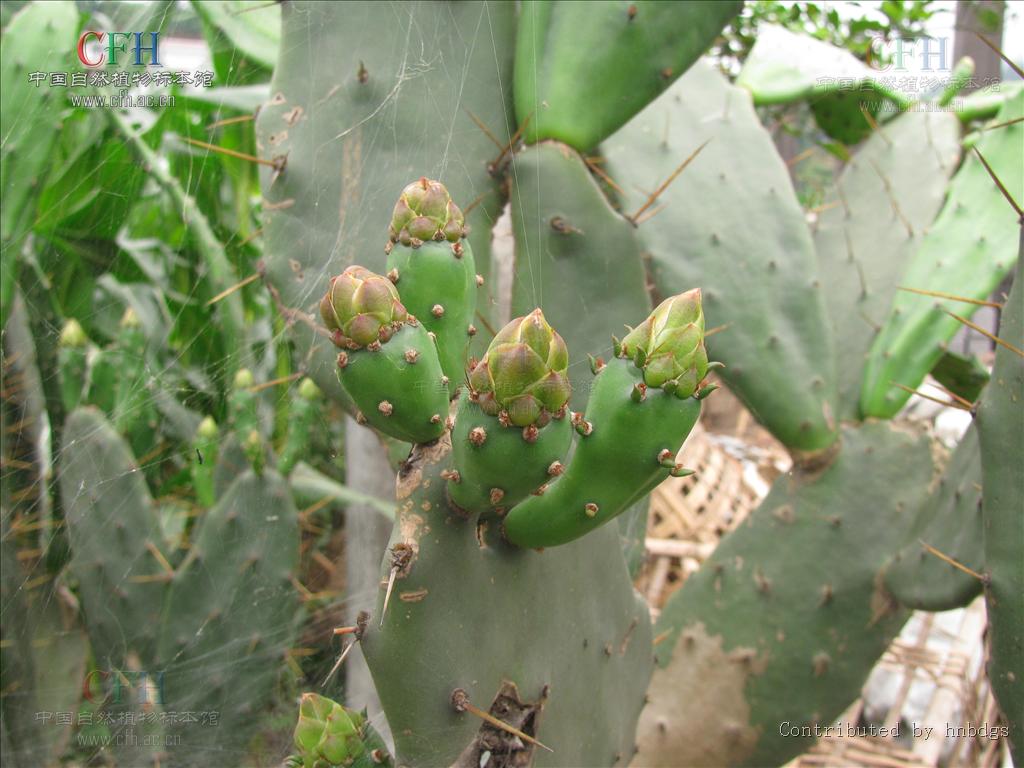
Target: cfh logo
120 686
931 53
94 52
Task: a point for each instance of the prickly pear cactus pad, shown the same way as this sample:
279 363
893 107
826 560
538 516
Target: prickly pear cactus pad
733 226
362 103
874 220
230 614
949 521
1001 434
790 601
578 666
967 252
583 69
113 531
575 257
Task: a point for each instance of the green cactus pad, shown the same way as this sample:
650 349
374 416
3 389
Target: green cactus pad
112 527
575 257
461 580
347 87
399 388
967 252
1000 423
950 522
582 70
304 412
733 226
438 287
791 600
874 220
489 457
616 464
230 614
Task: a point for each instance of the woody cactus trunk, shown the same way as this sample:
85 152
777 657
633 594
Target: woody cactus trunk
505 627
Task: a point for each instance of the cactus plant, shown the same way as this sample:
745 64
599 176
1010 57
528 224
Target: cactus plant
582 71
949 522
972 225
778 354
760 615
1000 428
874 220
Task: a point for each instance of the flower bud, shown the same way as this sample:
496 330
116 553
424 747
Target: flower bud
669 345
72 335
313 712
523 373
425 211
361 307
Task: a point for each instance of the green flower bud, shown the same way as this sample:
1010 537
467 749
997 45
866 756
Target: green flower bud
523 376
72 335
361 308
129 319
425 211
342 740
669 345
243 378
313 713
207 429
308 389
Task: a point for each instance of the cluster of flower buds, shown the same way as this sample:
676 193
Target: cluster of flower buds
361 308
425 212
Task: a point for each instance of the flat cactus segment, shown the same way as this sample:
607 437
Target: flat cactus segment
399 388
1000 423
437 283
461 581
874 220
113 530
615 465
358 115
36 35
230 614
949 522
582 70
733 226
789 601
575 257
499 466
966 252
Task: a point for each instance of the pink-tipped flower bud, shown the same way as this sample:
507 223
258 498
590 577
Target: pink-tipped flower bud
361 308
669 345
425 211
524 372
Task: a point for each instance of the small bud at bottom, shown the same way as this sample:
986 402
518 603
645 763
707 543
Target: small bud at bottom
591 509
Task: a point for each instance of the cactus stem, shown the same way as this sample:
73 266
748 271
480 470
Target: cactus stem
437 310
666 458
342 359
556 468
680 471
393 272
530 433
461 703
496 495
639 393
385 407
451 475
591 509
